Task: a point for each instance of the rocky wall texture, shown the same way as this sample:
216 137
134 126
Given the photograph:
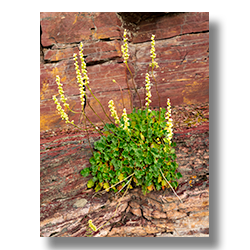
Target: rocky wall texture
67 204
182 48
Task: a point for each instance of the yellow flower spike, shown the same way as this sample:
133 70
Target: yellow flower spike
61 111
92 226
125 118
113 111
148 93
124 47
152 51
79 77
169 122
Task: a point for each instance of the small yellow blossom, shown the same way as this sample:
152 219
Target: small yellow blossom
61 92
124 47
169 122
125 118
80 79
61 111
152 51
92 226
113 111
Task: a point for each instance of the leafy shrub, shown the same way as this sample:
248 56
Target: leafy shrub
141 152
136 146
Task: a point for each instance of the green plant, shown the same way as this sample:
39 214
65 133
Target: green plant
134 150
140 152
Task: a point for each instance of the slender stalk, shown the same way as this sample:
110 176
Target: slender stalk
133 83
114 185
95 114
171 186
98 102
121 92
156 87
131 105
92 151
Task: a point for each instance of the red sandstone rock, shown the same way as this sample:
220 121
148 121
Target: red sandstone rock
183 75
182 48
64 194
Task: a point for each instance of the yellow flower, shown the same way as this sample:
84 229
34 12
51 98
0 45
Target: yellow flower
125 118
169 122
148 93
80 79
124 47
152 51
61 92
61 111
92 226
113 111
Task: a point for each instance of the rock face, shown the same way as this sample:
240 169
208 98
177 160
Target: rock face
182 48
67 204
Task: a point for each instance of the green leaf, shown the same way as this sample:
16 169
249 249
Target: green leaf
128 170
112 173
116 153
90 183
149 159
150 132
155 152
100 146
158 186
149 176
85 172
178 175
174 184
105 176
96 156
99 176
92 160
106 157
125 153
94 168
138 174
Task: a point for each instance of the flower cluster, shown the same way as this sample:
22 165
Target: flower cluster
61 92
113 111
125 47
81 84
92 226
169 122
148 93
125 118
152 51
61 111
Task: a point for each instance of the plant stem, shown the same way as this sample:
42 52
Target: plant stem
99 103
170 186
114 185
121 93
84 119
157 93
134 83
131 105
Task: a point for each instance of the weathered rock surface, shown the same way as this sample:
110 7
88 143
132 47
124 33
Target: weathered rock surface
67 204
182 48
